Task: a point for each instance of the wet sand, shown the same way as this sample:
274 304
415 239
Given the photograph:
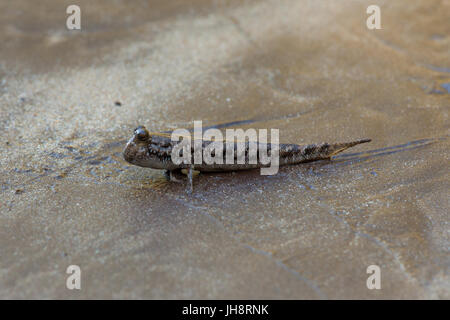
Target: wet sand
310 68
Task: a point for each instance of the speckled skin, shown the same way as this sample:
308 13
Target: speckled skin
154 151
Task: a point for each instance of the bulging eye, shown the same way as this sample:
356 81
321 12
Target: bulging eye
141 133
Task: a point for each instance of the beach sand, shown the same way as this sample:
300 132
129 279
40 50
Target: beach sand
70 99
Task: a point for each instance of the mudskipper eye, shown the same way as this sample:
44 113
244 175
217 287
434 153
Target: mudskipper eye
141 133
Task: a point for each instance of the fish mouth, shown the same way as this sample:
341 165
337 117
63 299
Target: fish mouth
129 151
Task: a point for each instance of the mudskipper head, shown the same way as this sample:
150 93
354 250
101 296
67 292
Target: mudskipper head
136 150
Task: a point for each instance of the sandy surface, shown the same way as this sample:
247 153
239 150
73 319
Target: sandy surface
310 68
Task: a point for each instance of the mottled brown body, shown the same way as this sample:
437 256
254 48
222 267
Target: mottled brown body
154 151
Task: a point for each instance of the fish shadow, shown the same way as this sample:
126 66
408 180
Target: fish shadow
348 158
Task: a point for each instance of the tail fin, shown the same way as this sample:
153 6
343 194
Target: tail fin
339 147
